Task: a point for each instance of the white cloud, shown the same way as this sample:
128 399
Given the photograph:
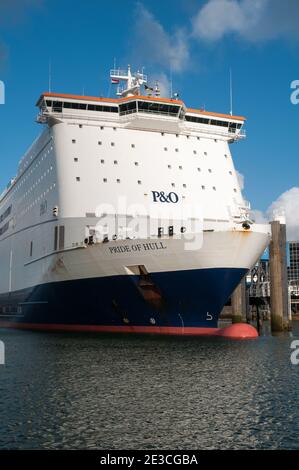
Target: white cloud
258 216
287 203
163 82
252 20
160 47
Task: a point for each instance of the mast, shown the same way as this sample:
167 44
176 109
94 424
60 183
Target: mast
131 81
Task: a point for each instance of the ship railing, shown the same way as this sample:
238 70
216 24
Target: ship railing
234 135
148 111
42 118
124 73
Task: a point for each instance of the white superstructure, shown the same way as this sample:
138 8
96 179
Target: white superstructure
100 163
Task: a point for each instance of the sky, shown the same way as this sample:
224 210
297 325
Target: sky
195 42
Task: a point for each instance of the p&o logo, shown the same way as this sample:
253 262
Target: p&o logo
2 92
161 196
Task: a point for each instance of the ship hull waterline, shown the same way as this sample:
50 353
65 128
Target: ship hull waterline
189 303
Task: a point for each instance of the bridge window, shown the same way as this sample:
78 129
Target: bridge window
128 108
57 106
214 122
158 108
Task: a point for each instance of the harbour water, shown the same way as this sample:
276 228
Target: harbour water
77 391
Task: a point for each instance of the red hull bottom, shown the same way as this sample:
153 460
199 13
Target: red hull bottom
235 331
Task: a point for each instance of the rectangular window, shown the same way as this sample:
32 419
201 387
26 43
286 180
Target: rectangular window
5 214
55 238
127 108
57 106
61 237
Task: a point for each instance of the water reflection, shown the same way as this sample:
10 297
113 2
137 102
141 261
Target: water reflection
109 391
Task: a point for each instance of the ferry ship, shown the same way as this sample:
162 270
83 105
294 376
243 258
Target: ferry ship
126 215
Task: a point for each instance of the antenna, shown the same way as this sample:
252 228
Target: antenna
231 91
50 75
171 91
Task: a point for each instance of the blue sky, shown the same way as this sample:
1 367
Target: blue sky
198 40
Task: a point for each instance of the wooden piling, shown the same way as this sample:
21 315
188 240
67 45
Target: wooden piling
278 278
238 301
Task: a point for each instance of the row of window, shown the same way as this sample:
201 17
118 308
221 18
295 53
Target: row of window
143 107
22 168
57 106
74 141
126 108
35 184
5 214
33 169
232 126
39 199
26 161
105 180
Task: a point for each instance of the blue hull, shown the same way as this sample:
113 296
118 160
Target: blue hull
190 299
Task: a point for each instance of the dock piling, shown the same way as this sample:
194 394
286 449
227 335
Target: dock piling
278 278
238 301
